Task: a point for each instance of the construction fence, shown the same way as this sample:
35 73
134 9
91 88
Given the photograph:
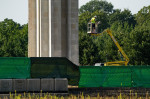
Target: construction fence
115 76
39 67
15 67
55 67
82 76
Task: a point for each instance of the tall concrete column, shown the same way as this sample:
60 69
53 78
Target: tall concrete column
44 35
73 41
53 29
56 28
32 46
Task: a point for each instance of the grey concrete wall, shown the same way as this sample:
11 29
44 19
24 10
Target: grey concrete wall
44 28
56 28
32 28
64 36
73 39
53 29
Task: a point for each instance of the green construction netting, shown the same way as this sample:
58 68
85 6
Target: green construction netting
141 76
11 67
90 76
114 76
55 67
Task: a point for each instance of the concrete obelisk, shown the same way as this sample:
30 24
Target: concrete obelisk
53 29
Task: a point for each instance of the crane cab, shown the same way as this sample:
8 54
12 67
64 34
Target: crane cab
91 30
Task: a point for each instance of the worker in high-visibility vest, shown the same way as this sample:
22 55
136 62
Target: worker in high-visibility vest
93 21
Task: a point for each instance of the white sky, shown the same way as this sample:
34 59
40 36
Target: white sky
18 9
14 9
133 5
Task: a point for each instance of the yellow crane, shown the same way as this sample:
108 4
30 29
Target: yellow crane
115 63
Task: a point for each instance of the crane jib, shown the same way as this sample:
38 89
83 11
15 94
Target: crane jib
114 39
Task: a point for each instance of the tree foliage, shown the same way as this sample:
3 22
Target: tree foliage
13 39
96 5
122 17
87 50
131 31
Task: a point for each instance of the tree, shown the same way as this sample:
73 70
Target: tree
140 37
87 50
106 48
84 18
95 5
143 15
122 17
13 39
140 45
131 31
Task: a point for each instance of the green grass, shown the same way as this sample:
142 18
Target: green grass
79 96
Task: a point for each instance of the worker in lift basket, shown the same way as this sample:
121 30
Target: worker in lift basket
93 21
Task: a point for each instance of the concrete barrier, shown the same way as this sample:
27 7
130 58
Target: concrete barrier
47 84
19 85
5 85
61 84
33 85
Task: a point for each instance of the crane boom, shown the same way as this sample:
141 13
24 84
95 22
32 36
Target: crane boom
116 63
126 61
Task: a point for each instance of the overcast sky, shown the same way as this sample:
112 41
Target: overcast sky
18 9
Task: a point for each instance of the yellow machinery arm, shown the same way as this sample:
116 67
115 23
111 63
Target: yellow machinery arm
116 63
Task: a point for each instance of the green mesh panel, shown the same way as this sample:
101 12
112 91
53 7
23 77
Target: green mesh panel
90 76
141 76
14 67
115 76
54 67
